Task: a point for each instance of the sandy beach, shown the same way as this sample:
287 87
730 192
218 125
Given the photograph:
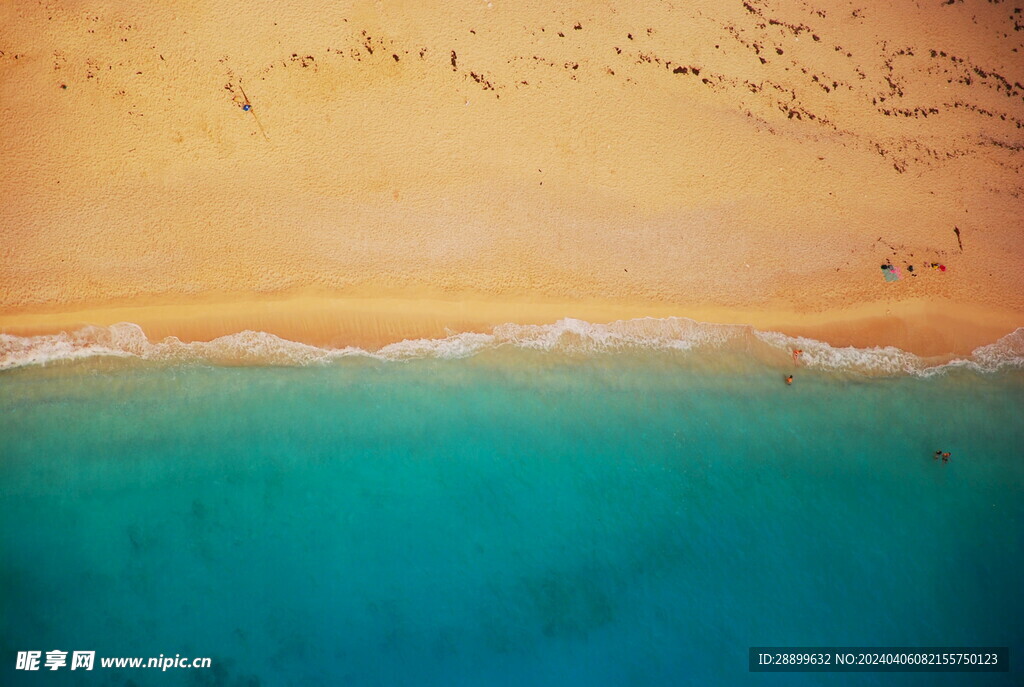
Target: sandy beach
357 174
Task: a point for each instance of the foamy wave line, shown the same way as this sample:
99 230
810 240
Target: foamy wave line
568 336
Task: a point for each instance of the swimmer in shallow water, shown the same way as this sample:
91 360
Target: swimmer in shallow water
796 355
789 379
945 457
938 454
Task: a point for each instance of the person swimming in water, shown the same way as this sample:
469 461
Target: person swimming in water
789 379
796 355
945 457
938 454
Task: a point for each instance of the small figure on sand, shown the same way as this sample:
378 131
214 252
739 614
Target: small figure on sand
789 379
246 105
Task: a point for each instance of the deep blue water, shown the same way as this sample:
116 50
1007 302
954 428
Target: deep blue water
511 519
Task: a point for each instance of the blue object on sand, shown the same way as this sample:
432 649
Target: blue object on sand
247 107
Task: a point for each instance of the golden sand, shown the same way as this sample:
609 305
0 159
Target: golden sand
407 168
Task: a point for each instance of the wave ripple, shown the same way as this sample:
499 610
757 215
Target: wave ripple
568 336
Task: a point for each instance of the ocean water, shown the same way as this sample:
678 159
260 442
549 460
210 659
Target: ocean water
517 517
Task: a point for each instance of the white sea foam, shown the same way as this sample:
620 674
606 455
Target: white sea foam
817 354
567 336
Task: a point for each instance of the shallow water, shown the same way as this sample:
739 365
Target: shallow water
516 518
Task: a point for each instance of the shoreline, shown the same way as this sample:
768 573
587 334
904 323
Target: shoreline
923 327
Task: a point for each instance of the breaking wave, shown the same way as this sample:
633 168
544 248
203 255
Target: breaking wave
568 336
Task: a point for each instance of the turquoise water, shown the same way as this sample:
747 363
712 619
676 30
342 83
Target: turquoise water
515 518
